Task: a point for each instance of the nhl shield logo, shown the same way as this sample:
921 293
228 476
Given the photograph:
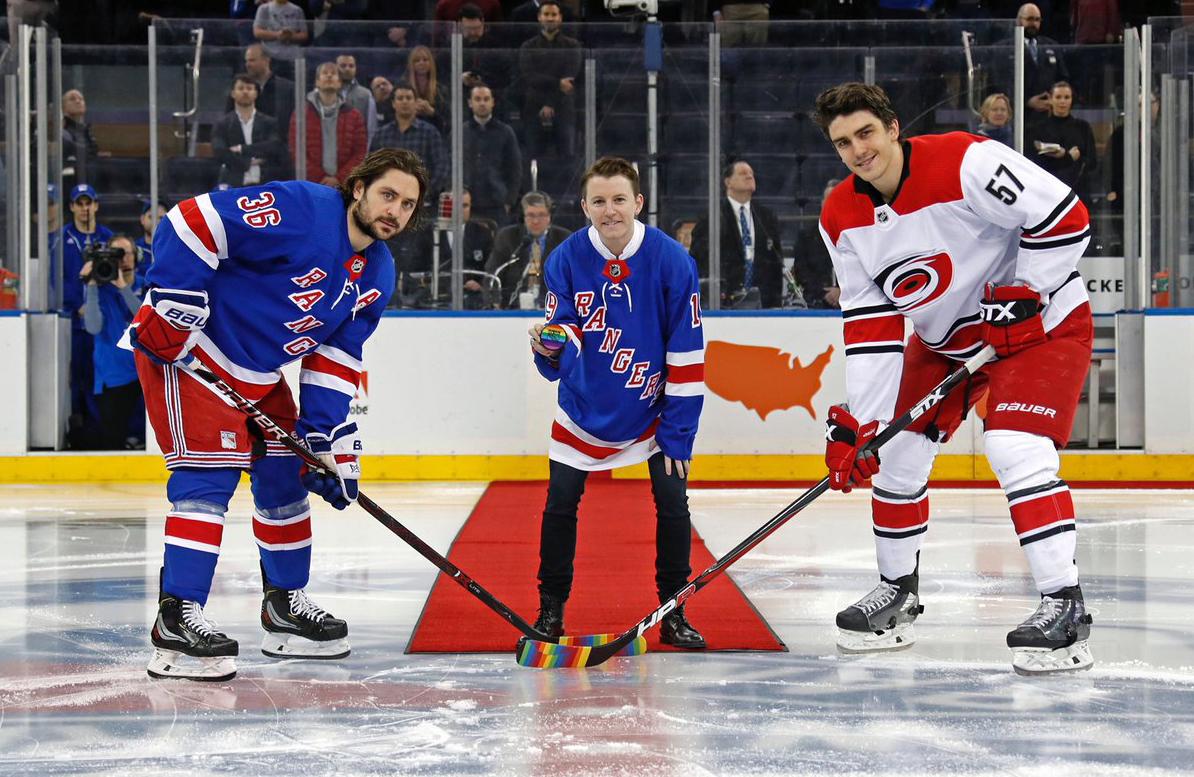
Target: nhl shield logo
355 266
617 270
882 217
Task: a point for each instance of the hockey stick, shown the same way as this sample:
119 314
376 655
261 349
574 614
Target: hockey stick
270 427
550 656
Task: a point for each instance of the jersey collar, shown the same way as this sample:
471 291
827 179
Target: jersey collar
636 241
865 188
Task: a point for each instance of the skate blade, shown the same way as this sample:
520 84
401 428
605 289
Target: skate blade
171 664
901 637
1033 662
294 646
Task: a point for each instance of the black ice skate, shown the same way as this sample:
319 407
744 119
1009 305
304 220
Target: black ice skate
182 632
1054 638
881 620
296 628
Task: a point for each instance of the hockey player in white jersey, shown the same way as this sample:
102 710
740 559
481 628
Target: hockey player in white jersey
975 245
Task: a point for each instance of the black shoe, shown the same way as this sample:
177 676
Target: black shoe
181 633
551 615
295 627
678 632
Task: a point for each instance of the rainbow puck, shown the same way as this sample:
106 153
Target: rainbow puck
553 337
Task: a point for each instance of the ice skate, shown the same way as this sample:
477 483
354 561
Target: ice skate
881 620
295 627
1054 638
187 645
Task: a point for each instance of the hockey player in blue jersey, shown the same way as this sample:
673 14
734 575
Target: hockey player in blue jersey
631 376
248 280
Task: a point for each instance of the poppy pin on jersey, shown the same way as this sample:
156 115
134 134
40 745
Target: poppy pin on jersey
617 270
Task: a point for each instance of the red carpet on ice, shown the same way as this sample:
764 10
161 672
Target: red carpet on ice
615 571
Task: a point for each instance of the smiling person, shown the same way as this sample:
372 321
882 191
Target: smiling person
631 382
975 245
249 280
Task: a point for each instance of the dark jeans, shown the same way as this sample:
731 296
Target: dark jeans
557 540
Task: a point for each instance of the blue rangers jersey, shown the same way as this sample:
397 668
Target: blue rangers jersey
283 283
632 372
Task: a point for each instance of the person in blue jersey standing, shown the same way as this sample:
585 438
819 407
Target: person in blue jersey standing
246 281
625 299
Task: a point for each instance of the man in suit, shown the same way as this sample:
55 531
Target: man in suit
519 252
275 94
750 250
246 141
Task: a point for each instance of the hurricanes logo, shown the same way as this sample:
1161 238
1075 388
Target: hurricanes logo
915 282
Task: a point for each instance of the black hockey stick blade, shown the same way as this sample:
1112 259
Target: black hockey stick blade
292 443
539 655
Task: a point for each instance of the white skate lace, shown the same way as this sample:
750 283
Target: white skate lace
194 619
883 595
1048 610
303 607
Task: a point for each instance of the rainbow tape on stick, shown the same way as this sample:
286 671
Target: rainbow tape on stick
571 652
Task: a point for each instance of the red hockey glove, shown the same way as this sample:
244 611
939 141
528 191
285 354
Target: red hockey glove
166 325
340 452
849 465
1011 319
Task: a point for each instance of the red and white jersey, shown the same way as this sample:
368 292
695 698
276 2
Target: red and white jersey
968 211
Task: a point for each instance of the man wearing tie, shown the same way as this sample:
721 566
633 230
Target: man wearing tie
519 251
1043 63
751 262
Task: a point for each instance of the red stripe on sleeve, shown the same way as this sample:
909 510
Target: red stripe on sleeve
875 330
194 219
689 373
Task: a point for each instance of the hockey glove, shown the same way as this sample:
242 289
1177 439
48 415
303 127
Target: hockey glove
340 452
849 465
168 322
1011 319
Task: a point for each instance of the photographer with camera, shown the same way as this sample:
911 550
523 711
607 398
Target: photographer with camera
77 236
113 294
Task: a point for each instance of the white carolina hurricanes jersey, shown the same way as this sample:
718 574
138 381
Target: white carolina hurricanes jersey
968 211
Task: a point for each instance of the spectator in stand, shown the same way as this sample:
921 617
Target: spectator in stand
412 133
484 61
528 13
248 143
1096 21
549 64
1043 64
492 160
108 310
1064 144
519 252
281 26
335 130
478 245
741 23
383 97
431 99
447 12
751 264
996 115
410 15
77 237
1115 195
145 242
243 12
356 95
813 269
275 94
78 144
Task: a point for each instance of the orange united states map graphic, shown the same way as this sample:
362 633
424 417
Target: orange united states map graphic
761 378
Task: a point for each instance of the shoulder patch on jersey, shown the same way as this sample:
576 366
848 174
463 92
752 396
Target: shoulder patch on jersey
935 174
846 209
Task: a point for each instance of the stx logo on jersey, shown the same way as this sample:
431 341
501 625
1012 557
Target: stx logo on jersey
915 282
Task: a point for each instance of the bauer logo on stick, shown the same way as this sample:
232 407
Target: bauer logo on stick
553 337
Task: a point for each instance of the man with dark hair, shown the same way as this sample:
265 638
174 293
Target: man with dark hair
549 64
336 139
631 379
484 60
247 142
275 94
79 146
751 264
247 281
410 132
356 95
975 246
492 159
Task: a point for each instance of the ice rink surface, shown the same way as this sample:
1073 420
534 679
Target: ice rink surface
78 584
